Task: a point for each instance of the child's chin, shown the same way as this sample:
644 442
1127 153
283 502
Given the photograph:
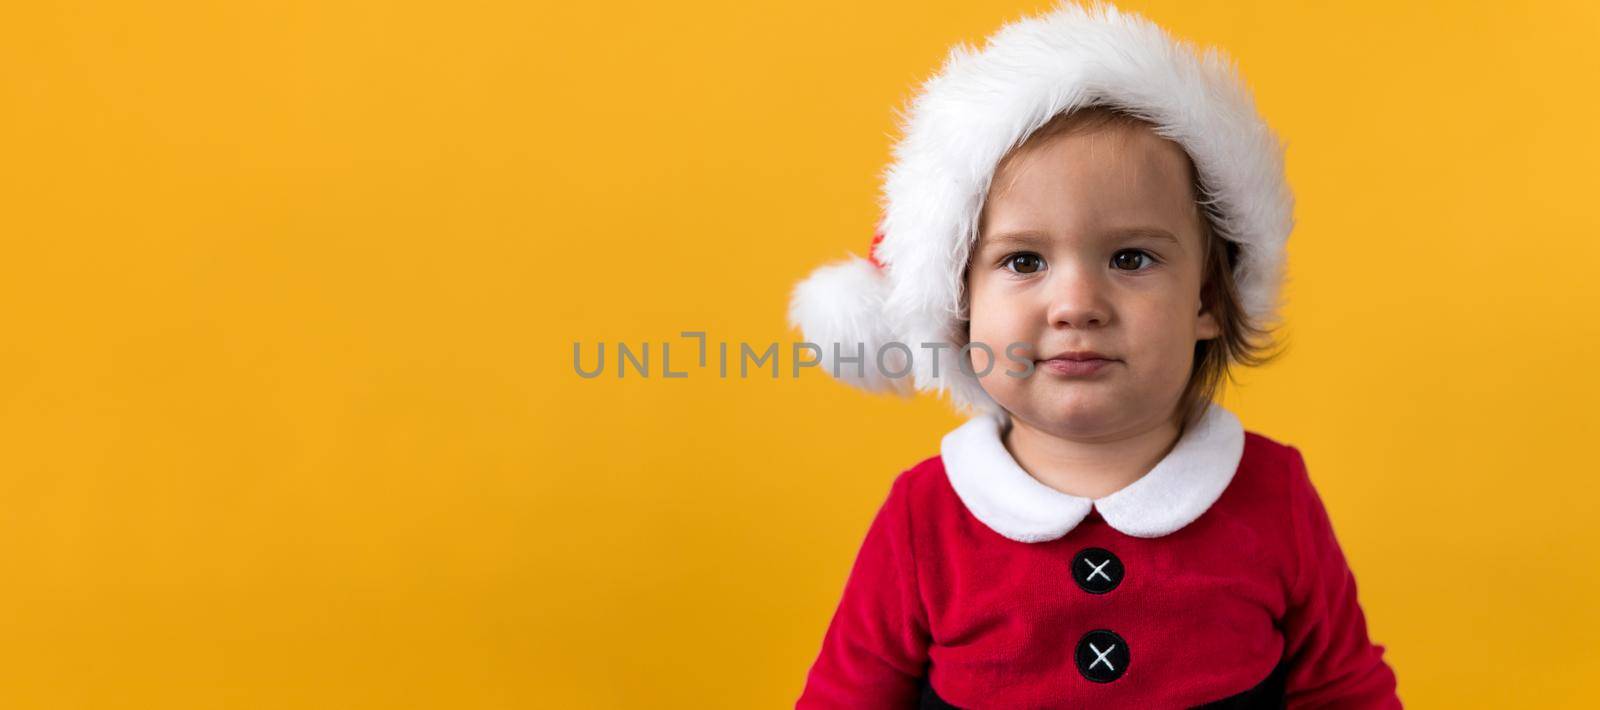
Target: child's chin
1075 408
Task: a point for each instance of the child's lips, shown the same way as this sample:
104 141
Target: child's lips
1075 368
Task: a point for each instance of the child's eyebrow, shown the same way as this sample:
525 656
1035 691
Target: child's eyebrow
992 241
1146 233
1029 237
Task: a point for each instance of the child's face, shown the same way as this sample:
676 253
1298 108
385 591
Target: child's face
1056 268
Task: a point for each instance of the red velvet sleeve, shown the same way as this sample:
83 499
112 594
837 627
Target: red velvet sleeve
1332 662
875 652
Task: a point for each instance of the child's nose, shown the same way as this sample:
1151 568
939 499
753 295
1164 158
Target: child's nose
1078 297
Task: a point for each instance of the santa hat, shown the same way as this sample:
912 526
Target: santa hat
975 110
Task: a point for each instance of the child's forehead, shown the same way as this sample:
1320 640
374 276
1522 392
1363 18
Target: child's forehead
1120 187
1110 149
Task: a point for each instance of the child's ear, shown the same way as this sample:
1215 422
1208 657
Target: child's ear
1206 326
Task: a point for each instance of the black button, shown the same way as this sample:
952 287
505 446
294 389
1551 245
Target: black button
1102 656
1096 570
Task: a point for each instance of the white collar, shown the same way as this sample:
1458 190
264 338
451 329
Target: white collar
1015 504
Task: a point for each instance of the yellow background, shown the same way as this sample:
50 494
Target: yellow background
288 416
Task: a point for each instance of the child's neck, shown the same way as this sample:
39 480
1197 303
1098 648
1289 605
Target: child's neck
1089 468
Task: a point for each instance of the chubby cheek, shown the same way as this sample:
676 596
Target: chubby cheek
993 331
999 323
1008 390
996 321
1164 339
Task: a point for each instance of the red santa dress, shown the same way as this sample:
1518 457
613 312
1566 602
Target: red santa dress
1214 580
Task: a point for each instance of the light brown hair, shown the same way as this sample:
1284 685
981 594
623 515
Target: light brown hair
1241 340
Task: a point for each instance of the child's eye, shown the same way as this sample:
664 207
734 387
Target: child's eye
1024 263
1118 259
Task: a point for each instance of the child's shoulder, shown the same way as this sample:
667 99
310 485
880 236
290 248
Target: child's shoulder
1263 448
1272 463
1279 455
923 487
923 478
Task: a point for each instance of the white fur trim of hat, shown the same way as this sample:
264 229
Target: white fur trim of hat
968 116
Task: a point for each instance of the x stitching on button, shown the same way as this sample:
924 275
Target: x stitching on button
1100 656
1097 569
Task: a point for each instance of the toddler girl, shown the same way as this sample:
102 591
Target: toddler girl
1090 218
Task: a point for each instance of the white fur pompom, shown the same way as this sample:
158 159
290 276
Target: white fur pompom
839 307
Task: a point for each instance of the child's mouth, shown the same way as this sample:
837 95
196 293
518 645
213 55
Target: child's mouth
1075 368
